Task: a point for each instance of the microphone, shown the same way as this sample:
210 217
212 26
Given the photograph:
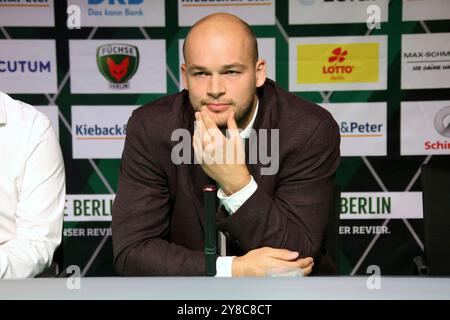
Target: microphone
209 205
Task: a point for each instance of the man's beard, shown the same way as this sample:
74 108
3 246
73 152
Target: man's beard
240 115
244 114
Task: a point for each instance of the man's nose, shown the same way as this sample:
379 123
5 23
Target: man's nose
216 86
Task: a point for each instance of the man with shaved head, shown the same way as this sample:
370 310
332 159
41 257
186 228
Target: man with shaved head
273 219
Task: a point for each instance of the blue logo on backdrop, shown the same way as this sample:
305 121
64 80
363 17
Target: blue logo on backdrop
25 66
112 2
118 11
98 131
360 128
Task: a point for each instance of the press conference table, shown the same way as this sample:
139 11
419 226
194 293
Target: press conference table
204 288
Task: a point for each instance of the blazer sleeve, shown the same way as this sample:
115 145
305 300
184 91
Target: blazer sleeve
294 217
141 212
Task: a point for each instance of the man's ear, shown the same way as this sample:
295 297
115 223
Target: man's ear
261 73
184 76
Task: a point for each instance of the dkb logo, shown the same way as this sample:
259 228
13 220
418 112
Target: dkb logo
112 2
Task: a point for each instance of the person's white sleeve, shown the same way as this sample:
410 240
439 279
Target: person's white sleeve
40 209
237 199
224 266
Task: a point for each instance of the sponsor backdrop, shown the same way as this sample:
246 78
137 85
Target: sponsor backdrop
387 87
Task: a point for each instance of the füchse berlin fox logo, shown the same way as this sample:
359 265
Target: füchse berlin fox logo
118 63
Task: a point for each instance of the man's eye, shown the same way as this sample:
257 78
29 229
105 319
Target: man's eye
199 74
232 72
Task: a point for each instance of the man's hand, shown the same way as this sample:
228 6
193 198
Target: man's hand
258 262
221 158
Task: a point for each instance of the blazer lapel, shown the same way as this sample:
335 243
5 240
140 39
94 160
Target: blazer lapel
266 119
251 146
198 177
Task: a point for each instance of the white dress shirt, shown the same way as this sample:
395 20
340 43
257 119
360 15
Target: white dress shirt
32 190
233 202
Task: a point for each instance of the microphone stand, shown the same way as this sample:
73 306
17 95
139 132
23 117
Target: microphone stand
209 204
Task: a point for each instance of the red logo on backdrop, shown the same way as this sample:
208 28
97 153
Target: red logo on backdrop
338 55
118 70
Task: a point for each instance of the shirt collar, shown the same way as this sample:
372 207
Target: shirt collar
2 110
248 129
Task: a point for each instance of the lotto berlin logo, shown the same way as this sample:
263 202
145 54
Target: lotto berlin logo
338 55
319 63
118 63
442 122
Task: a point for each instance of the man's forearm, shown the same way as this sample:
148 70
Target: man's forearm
265 221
